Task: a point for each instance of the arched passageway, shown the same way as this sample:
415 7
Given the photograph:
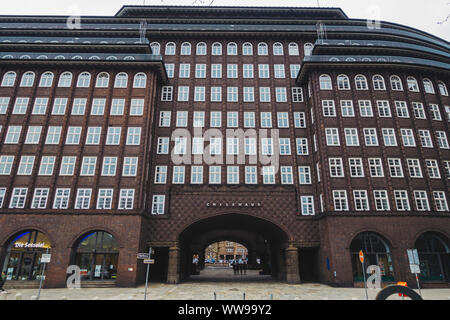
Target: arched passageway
434 256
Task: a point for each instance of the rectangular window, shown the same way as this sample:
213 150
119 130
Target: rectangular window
267 146
33 135
199 119
67 166
401 200
376 167
435 113
185 69
200 71
196 175
419 111
370 137
216 119
178 175
233 175
395 168
216 94
297 94
263 71
40 198
134 136
268 174
401 109
182 119
216 71
280 94
113 135
425 139
307 204
47 165
163 145
232 119
6 163
183 93
79 106
40 106
88 166
166 93
351 137
340 200
4 103
232 94
164 118
249 120
126 199
300 120
421 200
248 71
215 175
109 166
336 167
130 166
83 199
250 146
440 201
93 135
73 135
249 94
328 108
433 169
98 107
53 135
232 71
304 175
197 145
18 198
294 68
266 120
279 72
251 176
384 110
302 146
13 134
199 94
441 137
61 200
361 200
104 199
332 136
408 137
414 168
365 108
21 106
389 137
286 175
356 167
137 107
285 146
26 165
381 200
283 119
117 107
347 108
158 203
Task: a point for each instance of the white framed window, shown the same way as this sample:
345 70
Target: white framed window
197 145
201 49
102 80
279 72
170 69
163 145
336 167
381 200
293 49
232 119
396 83
165 118
440 200
232 146
268 175
414 168
65 80
196 175
389 137
6 163
83 198
215 146
53 135
33 135
232 175
247 70
215 119
98 107
215 175
395 168
18 198
264 94
61 200
13 134
84 80
263 49
104 199
249 94
232 94
401 109
441 137
130 165
216 71
126 199
140 80
267 146
384 110
20 106
419 111
300 120
199 119
113 135
435 113
158 203
375 167
47 165
160 174
280 94
286 175
73 135
340 200
263 71
307 205
27 79
365 108
88 166
329 109
178 175
9 79
447 169
347 108
428 86
370 137
182 119
67 166
378 82
166 93
442 89
40 106
232 71
247 49
26 165
93 135
351 137
117 107
277 49
250 146
251 175
249 120
408 137
304 175
200 71
283 119
356 167
361 200
216 49
421 200
216 94
302 146
183 94
121 80
134 136
297 94
285 146
4 103
79 106
412 84
109 166
232 49
294 68
425 138
325 82
170 49
332 136
433 169
361 82
185 49
185 70
343 82
401 200
266 119
199 94
59 106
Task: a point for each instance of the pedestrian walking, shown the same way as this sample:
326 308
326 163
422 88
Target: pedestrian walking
241 265
244 266
235 266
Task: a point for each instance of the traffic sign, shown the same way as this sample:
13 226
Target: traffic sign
142 256
361 256
413 256
45 258
149 261
415 268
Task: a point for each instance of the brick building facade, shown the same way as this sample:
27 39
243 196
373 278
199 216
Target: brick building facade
302 134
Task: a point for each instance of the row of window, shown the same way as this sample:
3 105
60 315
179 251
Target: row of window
232 71
361 83
65 80
73 136
232 119
388 135
68 165
62 198
98 106
384 109
356 168
248 94
231 49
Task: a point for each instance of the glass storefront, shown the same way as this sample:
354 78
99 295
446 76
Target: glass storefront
97 256
23 256
376 252
434 256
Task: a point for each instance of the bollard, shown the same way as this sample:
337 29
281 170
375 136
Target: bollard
215 296
3 296
19 296
243 296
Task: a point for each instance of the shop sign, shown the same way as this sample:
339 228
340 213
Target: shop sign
233 204
38 245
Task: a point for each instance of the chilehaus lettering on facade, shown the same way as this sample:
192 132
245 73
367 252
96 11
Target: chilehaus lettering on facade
300 133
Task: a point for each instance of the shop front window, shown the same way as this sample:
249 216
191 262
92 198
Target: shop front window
97 256
376 252
23 256
434 257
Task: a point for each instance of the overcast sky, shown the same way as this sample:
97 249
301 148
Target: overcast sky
423 15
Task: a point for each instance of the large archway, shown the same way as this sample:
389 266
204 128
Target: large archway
434 256
265 241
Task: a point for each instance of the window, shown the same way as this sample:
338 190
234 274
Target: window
370 137
126 199
170 69
166 93
293 49
264 94
33 135
185 49
53 135
412 84
46 79
98 107
233 175
88 166
304 175
268 174
325 82
158 204
414 168
102 80
378 82
294 68
250 146
419 111
283 119
299 119
433 169
249 120
73 135
199 94
26 165
408 137
247 49
285 146
134 136
216 94
361 200
329 109
185 70
93 135
401 200
251 175
6 163
389 137
435 113
197 145
440 200
248 71
351 137
365 108
200 71
375 167
286 175
425 139
384 110
61 200
447 168
280 94
395 168
18 198
263 71
381 200
215 175
332 136
121 80
199 119
442 89
340 200
216 119
170 49
181 121
232 71
232 119
79 106
130 166
40 198
262 49
277 49
183 94
302 146
67 166
279 72
13 134
104 199
441 137
343 82
361 83
140 80
117 107
232 49
20 106
196 175
216 71
155 48
4 102
307 205
9 79
428 86
65 80
27 79
401 109
47 165
232 146
336 167
83 198
421 200
160 174
109 166
396 83
216 49
266 120
297 94
137 107
356 167
308 48
180 145
232 94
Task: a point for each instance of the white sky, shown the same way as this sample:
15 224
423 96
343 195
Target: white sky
419 14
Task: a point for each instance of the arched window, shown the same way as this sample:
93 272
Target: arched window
65 80
396 83
412 84
443 89
170 49
247 49
23 256
434 257
263 49
201 49
428 86
376 251
361 82
278 49
378 82
216 49
232 49
27 79
343 82
46 79
140 80
97 255
102 80
293 49
325 82
156 48
185 49
121 80
308 48
84 80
